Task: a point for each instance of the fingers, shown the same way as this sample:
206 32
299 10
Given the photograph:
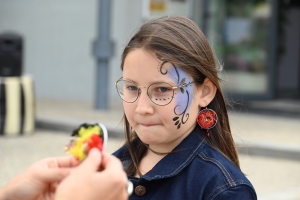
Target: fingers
91 162
113 167
67 161
110 162
113 170
54 175
86 178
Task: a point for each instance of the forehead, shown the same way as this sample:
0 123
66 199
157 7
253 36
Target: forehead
143 66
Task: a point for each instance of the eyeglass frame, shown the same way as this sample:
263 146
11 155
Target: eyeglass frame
139 90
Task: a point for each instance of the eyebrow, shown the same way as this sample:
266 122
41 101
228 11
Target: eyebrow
162 81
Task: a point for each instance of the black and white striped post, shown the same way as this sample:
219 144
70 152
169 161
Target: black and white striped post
17 105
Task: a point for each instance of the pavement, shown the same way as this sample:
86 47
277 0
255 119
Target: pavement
267 134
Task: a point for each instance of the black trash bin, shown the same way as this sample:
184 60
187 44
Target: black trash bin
11 54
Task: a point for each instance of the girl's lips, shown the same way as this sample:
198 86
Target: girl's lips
147 125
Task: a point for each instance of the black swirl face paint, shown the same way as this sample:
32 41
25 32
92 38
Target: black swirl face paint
182 95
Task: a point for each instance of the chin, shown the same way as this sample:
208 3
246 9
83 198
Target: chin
147 140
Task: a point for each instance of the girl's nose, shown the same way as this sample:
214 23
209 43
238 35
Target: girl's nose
144 104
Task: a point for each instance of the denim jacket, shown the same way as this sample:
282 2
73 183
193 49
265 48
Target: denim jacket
195 171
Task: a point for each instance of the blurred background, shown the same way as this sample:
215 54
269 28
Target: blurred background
59 60
256 40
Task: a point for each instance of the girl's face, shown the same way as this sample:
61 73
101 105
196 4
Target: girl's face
162 127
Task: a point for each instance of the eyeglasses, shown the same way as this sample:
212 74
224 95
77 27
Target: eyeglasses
160 93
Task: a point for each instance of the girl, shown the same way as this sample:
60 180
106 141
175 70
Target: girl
178 140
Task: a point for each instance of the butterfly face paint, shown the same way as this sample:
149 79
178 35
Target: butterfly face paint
183 95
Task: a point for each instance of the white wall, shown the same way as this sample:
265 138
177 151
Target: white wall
58 35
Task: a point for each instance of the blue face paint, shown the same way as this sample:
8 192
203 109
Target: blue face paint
183 95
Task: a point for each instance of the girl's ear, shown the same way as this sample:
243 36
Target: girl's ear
207 92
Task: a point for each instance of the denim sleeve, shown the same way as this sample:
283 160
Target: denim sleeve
237 193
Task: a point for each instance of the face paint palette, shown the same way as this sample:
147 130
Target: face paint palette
87 136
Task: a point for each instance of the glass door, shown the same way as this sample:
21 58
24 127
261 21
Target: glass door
242 35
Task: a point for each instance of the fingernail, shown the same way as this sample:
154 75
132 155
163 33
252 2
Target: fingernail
94 152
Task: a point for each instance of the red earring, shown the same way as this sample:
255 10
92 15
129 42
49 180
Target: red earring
207 119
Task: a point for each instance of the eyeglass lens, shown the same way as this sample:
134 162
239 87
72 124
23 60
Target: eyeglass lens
160 93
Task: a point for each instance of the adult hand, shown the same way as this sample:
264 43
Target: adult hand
88 183
39 181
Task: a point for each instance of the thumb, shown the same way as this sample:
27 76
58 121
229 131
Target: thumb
91 162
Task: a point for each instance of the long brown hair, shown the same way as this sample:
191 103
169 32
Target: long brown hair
180 41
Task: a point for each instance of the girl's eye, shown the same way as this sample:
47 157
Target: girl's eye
163 89
132 88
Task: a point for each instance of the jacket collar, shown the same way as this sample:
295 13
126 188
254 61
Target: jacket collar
173 163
